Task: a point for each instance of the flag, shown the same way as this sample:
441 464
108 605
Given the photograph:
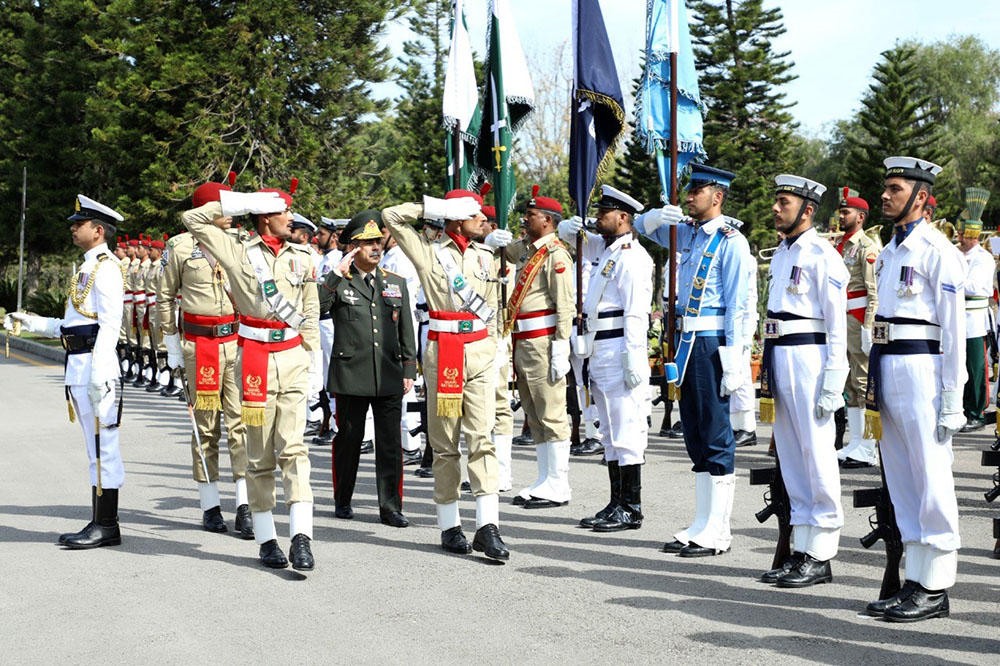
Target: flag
597 117
667 34
460 106
508 100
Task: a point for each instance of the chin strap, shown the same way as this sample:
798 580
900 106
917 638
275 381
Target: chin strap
909 204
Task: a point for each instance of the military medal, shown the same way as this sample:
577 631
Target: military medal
905 281
793 279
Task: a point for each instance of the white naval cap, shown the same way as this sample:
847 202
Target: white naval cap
86 208
912 168
333 223
799 186
302 222
617 200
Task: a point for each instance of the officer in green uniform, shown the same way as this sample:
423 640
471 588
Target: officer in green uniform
373 364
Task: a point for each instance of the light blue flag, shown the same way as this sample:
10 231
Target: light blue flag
666 33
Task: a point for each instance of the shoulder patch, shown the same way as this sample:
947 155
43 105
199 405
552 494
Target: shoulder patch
729 231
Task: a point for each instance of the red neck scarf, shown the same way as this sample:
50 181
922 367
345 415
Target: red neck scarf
844 239
273 242
461 241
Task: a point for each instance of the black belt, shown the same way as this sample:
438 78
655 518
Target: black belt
325 316
794 339
216 331
79 339
610 333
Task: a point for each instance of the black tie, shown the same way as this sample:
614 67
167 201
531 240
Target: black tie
370 283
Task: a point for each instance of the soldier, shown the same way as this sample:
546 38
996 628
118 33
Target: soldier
540 316
713 349
121 253
802 378
373 365
327 234
616 312
859 251
128 316
158 351
743 401
207 355
459 281
89 330
919 348
278 309
978 289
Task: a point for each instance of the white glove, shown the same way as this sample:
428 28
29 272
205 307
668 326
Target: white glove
831 394
632 368
175 356
461 208
950 416
34 324
652 220
558 360
733 376
571 226
499 238
316 379
256 203
98 393
866 340
8 323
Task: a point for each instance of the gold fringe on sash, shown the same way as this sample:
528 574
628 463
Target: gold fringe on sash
207 401
767 410
72 414
253 414
873 425
449 406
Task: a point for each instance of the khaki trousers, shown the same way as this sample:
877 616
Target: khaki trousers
543 402
857 379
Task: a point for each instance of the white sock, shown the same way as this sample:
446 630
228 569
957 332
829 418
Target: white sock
263 527
487 510
300 519
447 516
208 494
241 492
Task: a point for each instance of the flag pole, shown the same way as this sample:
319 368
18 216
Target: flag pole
20 259
456 147
672 258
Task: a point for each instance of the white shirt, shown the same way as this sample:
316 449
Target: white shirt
979 284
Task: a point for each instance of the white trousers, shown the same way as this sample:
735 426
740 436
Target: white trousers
621 410
112 469
805 443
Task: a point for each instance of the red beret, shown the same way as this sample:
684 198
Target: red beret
547 204
134 242
207 192
490 212
931 201
283 194
854 202
458 194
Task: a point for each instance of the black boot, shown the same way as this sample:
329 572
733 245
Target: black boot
488 542
104 530
93 517
878 608
628 514
301 554
615 480
922 604
212 521
244 522
807 573
840 423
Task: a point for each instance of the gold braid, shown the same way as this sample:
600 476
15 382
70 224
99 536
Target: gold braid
77 297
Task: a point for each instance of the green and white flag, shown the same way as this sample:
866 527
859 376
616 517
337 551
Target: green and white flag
508 99
460 105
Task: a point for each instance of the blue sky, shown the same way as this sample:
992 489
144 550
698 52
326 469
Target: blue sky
833 43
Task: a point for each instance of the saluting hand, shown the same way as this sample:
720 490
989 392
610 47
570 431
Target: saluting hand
344 267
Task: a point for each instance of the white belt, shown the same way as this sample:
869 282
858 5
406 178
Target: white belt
595 324
707 323
457 325
140 298
535 323
128 297
884 332
151 299
267 334
857 302
777 328
977 304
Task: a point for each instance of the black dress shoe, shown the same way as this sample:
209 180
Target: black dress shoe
312 428
94 536
393 519
677 432
488 542
771 577
466 487
745 437
301 554
412 457
694 550
323 440
271 555
971 425
542 503
674 546
589 447
518 500
424 472
523 440
921 605
172 391
153 387
345 512
367 446
809 571
623 517
598 517
878 608
851 463
244 522
454 541
211 521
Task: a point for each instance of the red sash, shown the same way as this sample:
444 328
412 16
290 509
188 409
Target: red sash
254 361
858 313
524 280
451 361
208 372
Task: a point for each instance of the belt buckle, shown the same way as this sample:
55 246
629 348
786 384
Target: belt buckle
277 335
465 326
222 330
880 333
679 323
772 329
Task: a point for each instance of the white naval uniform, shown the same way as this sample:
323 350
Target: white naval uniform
588 411
808 279
917 466
396 262
979 277
105 300
743 401
327 262
628 287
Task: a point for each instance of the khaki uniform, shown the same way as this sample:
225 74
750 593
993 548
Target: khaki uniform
859 252
138 287
201 288
155 334
479 392
128 317
279 440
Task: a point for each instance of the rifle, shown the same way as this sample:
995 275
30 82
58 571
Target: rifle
884 527
324 405
777 505
992 459
418 406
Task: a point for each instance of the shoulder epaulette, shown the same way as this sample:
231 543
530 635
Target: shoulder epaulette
385 272
729 231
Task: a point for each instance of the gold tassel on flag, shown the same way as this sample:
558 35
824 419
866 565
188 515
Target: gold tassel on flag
767 410
873 425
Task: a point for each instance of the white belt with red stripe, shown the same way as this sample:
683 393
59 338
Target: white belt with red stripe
857 300
151 298
140 297
457 325
535 324
266 334
128 297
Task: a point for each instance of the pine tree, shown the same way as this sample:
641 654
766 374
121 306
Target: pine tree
747 125
896 118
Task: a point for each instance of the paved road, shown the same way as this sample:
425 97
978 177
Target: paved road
175 594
